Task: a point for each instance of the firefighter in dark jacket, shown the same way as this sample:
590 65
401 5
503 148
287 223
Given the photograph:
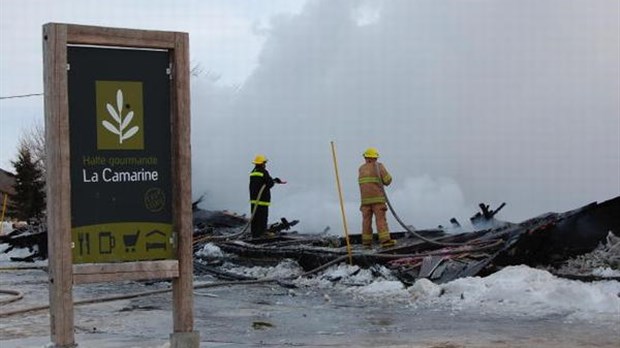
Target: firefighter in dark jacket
260 195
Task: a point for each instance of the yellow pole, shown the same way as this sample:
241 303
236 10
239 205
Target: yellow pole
3 210
344 218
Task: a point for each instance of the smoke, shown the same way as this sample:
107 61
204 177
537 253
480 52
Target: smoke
467 102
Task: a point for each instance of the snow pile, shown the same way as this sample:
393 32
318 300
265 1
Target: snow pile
284 270
210 251
520 290
383 288
344 276
424 288
513 291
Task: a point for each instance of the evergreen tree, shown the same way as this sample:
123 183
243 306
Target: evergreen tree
29 198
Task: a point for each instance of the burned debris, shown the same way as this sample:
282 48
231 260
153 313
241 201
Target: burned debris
32 237
548 241
569 244
485 216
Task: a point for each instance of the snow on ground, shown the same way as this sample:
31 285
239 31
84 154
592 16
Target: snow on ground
518 303
513 291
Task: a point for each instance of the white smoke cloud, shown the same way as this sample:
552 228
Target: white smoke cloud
468 102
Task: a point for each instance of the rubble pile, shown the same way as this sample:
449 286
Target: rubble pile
602 262
546 241
30 236
581 244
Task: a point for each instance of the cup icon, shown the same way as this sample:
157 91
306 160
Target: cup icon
106 242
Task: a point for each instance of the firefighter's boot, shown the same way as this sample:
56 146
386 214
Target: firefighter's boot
367 240
385 240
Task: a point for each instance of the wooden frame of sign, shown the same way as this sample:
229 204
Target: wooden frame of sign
62 272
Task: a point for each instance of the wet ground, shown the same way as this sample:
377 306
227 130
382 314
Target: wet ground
270 315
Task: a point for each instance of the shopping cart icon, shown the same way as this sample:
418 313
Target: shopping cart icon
130 241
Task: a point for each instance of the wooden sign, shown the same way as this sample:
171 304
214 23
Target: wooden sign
117 130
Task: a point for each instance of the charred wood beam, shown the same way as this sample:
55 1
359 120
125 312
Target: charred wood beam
33 241
554 238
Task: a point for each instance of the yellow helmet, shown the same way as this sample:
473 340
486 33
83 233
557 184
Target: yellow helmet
371 152
259 159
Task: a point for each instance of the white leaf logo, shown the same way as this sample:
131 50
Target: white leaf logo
123 122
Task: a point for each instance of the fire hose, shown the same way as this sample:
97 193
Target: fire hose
402 224
161 291
16 296
237 234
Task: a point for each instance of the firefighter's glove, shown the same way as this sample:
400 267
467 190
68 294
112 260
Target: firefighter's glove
279 181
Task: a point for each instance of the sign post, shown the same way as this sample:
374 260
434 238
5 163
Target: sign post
118 166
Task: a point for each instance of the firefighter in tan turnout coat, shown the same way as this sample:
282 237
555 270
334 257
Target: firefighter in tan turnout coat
372 177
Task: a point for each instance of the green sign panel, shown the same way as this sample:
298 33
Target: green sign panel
119 125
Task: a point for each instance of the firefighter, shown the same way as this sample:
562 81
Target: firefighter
260 195
372 177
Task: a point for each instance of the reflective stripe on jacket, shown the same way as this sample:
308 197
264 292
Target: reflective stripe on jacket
259 176
371 184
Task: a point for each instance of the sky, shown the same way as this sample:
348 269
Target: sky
466 101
